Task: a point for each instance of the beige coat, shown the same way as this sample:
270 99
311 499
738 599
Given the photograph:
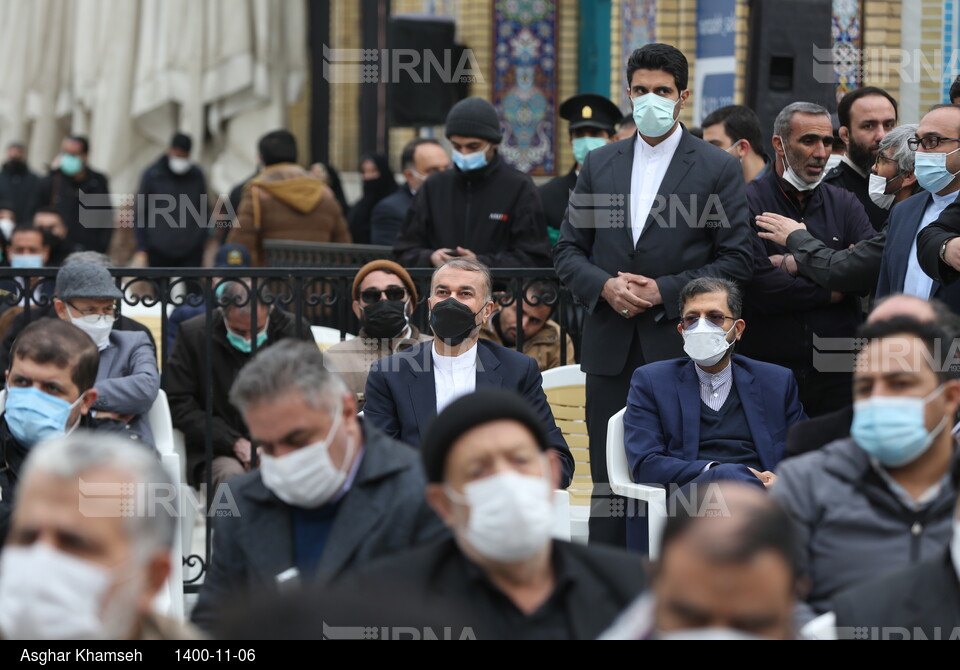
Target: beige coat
544 346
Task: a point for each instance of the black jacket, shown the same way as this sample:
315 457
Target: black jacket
388 215
845 177
915 603
493 211
598 583
784 314
555 195
20 322
931 238
89 224
189 226
12 455
185 380
20 190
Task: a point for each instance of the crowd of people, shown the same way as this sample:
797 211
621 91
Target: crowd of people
776 329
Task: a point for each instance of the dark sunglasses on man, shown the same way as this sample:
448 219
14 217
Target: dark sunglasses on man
372 295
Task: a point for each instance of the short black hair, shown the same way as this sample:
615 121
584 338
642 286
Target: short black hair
764 527
62 344
83 141
846 102
657 56
936 340
406 156
739 123
278 146
29 228
955 89
703 285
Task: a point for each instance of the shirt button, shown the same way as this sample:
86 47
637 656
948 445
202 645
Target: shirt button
716 395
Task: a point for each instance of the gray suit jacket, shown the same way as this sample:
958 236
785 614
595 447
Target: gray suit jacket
128 379
697 227
385 511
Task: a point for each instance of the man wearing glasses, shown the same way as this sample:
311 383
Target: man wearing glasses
710 416
127 378
384 297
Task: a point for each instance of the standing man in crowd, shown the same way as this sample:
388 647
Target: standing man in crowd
89 221
592 123
483 210
866 115
18 184
678 212
736 130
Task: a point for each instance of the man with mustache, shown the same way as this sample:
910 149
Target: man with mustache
788 315
866 116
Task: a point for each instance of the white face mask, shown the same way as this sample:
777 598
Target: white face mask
6 227
97 326
179 165
511 515
706 344
877 188
307 477
46 594
792 178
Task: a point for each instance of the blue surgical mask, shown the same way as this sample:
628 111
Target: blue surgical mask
34 416
653 114
243 344
70 164
468 162
584 145
25 261
892 429
931 170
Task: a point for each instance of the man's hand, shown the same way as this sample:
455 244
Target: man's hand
439 257
787 263
835 297
241 449
643 287
952 253
622 299
767 477
466 253
777 228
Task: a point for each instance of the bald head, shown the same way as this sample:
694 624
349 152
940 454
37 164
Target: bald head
903 305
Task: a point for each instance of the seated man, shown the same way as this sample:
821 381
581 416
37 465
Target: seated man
186 380
49 392
75 567
714 416
491 470
48 220
384 297
882 498
331 492
541 335
27 249
128 379
407 390
720 575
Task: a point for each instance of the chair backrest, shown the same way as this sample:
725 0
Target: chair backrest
565 388
161 423
617 466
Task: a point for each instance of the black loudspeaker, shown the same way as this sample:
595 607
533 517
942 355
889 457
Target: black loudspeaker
426 73
790 58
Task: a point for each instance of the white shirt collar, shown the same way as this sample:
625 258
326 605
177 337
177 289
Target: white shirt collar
667 146
464 361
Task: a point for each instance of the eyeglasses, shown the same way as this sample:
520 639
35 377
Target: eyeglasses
716 318
371 295
881 158
93 314
929 142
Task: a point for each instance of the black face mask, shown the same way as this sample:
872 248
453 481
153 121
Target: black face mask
452 321
384 319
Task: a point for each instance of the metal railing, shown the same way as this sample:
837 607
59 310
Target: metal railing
313 296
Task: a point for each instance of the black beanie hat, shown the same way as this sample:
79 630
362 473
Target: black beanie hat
474 117
468 412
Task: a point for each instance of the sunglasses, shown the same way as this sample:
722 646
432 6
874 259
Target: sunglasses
372 295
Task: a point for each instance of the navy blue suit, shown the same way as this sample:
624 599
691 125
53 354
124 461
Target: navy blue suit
662 423
902 230
401 396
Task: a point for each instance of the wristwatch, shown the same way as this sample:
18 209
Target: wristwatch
943 250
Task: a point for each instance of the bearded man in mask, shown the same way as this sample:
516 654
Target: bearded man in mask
710 416
407 390
384 297
331 493
187 379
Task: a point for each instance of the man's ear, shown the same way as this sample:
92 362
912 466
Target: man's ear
157 571
89 398
684 96
909 180
744 148
440 503
60 307
740 326
777 143
356 308
844 134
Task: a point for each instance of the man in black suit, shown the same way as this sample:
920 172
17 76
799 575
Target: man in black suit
593 120
648 215
406 391
420 158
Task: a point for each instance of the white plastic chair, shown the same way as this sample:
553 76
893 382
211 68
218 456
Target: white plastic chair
623 485
566 392
326 337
